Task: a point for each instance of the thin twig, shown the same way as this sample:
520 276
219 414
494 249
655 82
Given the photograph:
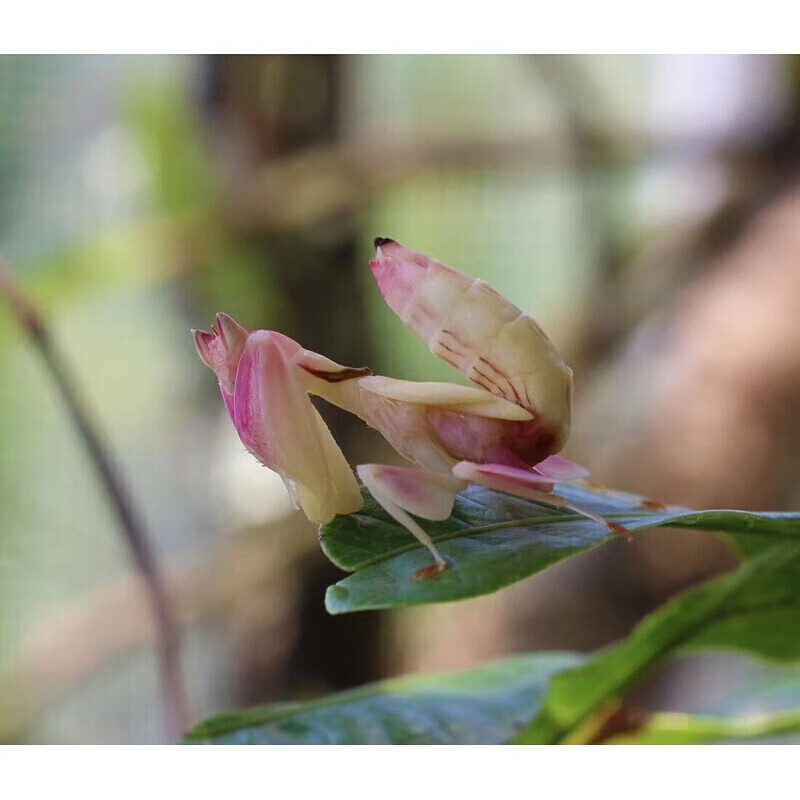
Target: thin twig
173 690
250 567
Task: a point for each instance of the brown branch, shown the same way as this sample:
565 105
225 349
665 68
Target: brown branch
173 690
307 187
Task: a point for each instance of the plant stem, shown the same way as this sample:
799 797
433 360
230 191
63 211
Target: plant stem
172 684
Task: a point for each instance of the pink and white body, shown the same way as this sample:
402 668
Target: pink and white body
503 433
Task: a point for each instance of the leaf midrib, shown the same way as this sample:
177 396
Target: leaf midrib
679 521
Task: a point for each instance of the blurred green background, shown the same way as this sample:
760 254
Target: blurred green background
620 200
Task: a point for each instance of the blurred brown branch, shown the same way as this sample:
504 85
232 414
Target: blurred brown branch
249 582
317 183
70 645
32 323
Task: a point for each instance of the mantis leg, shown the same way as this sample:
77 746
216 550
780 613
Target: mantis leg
403 491
532 485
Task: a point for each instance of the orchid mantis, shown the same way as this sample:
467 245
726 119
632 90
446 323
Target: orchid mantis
503 432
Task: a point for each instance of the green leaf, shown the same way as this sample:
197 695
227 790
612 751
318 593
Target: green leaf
493 540
486 705
764 703
687 729
768 631
705 616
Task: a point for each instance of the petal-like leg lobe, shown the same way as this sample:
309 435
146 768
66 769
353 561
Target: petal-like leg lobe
401 490
559 469
512 480
278 424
